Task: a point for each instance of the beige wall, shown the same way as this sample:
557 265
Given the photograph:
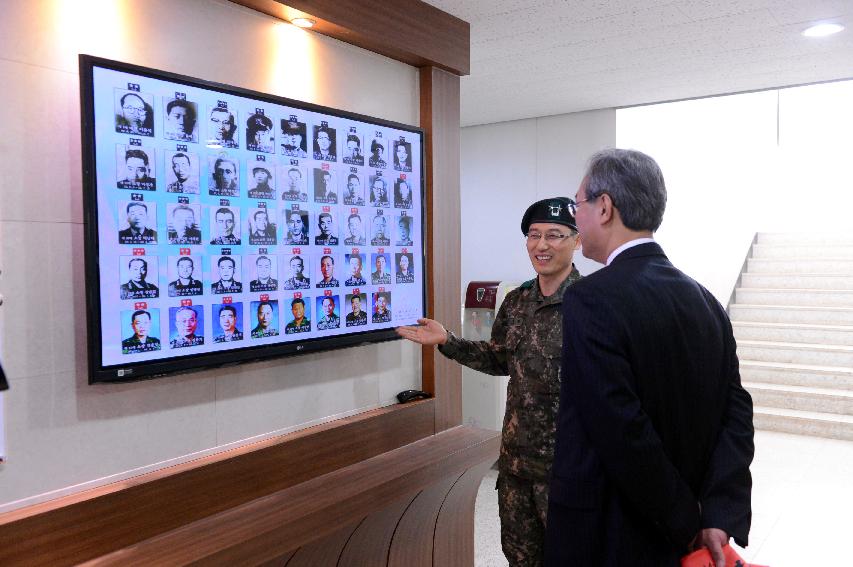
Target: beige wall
60 431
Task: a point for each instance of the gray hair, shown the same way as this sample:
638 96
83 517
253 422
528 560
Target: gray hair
635 184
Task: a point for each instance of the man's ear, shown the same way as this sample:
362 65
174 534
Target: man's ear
606 210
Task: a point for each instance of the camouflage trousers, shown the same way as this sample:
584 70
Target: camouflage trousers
523 507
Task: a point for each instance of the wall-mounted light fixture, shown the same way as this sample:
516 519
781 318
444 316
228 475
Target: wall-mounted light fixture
303 22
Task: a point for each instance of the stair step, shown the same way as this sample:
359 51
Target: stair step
794 332
788 251
791 314
799 297
802 398
800 238
796 353
800 266
836 377
797 281
817 424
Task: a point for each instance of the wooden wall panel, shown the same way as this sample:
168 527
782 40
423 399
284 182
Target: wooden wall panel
440 120
269 527
370 542
326 551
76 528
454 528
410 31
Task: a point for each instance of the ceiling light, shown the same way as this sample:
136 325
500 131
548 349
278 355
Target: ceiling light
823 30
303 22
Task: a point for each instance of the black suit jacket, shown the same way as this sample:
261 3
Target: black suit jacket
653 420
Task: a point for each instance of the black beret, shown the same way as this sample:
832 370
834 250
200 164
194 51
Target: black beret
558 210
292 127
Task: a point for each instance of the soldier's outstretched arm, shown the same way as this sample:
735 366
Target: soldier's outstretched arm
427 332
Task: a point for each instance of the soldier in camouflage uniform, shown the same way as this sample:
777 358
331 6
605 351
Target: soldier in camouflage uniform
526 344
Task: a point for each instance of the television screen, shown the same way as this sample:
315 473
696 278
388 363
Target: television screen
226 225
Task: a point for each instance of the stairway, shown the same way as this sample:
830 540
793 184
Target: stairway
793 320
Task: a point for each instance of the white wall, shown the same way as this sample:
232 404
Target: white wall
509 165
774 161
60 431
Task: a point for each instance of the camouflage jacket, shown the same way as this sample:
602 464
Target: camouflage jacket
526 344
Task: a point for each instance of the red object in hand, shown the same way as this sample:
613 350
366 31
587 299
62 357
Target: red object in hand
702 558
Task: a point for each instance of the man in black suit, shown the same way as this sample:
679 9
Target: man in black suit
654 433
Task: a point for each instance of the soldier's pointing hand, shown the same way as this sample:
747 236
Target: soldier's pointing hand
428 332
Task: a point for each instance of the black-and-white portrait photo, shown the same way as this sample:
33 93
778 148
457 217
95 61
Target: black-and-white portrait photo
180 120
355 231
324 143
262 272
134 113
325 186
224 271
183 223
405 267
182 171
292 183
260 134
139 274
353 191
377 154
380 235
185 276
262 228
296 223
326 229
222 128
224 180
294 141
261 180
404 231
379 191
402 156
225 226
135 168
402 193
297 269
137 222
352 148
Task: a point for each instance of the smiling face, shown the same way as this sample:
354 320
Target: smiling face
551 258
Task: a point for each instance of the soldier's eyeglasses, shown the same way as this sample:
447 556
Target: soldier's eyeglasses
550 237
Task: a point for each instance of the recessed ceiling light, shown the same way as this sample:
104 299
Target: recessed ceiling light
823 30
303 22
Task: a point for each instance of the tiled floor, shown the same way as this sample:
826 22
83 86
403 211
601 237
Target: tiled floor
802 503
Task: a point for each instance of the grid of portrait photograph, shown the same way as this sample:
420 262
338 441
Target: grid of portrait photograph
227 222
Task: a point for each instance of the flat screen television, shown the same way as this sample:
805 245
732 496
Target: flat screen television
225 225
